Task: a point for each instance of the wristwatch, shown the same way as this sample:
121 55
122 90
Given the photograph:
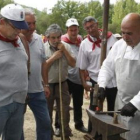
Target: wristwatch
46 85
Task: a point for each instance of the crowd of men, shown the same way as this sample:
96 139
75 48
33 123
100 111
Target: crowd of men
38 74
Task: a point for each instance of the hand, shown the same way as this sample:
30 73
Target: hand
128 110
101 93
87 87
47 91
86 95
58 54
61 46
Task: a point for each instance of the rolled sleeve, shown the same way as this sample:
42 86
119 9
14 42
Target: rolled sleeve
82 59
136 101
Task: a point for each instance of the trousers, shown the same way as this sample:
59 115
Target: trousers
65 102
11 121
77 92
38 104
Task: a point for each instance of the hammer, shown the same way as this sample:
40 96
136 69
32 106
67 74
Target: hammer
96 101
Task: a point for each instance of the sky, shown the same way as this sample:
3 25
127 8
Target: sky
41 4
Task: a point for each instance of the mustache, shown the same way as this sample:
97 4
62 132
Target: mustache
55 45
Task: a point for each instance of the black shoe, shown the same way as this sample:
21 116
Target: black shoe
57 132
70 135
70 108
82 129
67 138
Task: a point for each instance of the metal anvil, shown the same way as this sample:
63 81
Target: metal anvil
103 124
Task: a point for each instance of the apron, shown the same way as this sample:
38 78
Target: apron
128 83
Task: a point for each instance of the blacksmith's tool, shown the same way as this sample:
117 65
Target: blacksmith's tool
96 101
106 112
103 125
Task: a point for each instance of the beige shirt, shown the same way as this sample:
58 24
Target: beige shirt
53 75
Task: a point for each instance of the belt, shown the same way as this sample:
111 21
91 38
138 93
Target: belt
57 83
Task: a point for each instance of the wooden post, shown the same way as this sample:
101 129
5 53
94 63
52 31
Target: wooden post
104 40
105 29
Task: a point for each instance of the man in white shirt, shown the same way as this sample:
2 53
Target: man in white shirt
124 61
74 81
89 59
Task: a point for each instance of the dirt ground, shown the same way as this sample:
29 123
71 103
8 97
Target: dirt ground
29 125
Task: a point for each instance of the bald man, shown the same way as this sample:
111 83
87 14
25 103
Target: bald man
124 61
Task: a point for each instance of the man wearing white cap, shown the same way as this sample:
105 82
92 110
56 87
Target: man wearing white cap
118 36
13 72
74 80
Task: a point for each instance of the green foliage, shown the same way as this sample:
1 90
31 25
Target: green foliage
64 10
42 21
122 8
5 2
96 10
138 8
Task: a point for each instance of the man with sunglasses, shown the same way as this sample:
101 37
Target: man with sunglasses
89 59
13 72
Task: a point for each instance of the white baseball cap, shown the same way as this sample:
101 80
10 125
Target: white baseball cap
15 14
72 21
117 35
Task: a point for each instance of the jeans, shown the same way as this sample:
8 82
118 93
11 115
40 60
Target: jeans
11 121
38 104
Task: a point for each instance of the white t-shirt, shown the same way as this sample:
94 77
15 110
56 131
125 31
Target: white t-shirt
13 73
89 59
37 57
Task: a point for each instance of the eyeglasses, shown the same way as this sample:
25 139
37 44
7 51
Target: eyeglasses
13 26
9 23
91 27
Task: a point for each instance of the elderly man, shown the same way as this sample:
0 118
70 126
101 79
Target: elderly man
13 72
124 61
89 59
74 80
58 52
36 96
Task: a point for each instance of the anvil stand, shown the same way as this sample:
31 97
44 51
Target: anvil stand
103 125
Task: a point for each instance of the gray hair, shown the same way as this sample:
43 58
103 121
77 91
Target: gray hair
1 17
29 11
53 28
88 19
